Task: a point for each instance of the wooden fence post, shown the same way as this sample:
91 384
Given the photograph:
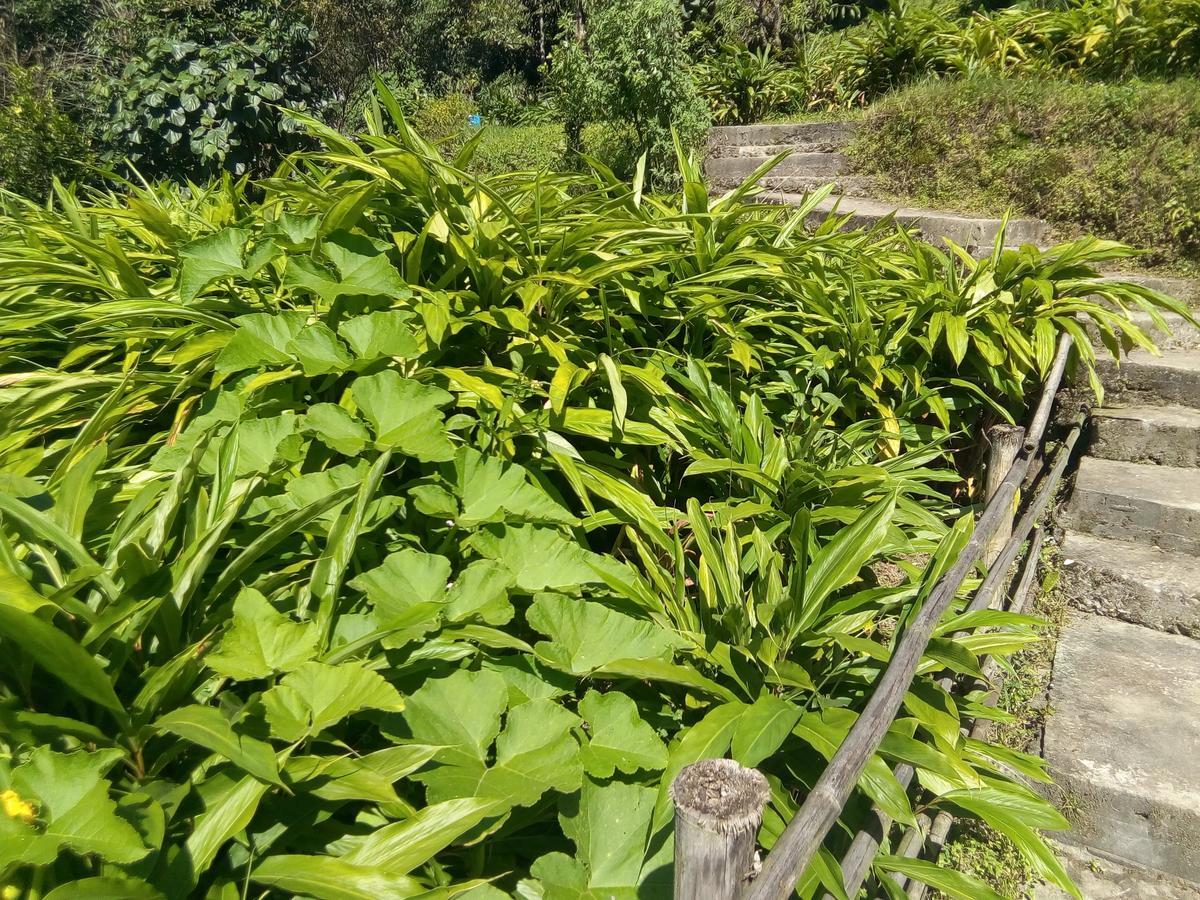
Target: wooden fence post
718 808
1004 444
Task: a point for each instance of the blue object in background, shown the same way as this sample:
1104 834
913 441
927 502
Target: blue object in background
475 120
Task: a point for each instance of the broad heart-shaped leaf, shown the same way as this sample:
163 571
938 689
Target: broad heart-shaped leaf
260 443
336 429
379 334
316 696
535 753
261 339
71 796
409 587
618 738
539 558
362 271
205 726
491 490
610 826
405 415
262 641
219 255
460 712
481 592
319 351
586 636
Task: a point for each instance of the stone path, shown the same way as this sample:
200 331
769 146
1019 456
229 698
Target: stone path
1123 737
735 151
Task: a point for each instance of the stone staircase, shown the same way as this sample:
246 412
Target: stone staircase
1123 739
816 159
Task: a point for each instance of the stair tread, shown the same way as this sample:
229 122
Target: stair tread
1173 486
1132 582
831 134
1101 877
809 164
1168 416
1183 360
1124 737
1157 569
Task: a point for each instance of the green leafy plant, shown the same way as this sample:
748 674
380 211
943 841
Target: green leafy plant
38 140
626 66
744 86
195 101
401 531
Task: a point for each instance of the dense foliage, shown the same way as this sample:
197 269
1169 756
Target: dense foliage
38 140
628 66
402 533
1119 159
1090 39
194 102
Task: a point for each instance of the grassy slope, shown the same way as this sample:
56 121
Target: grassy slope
1121 160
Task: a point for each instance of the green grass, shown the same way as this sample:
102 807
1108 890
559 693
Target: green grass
1119 160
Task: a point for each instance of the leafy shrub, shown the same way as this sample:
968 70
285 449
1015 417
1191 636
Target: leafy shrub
518 148
744 86
614 144
38 141
632 68
443 119
503 99
1121 159
49 25
1090 39
198 100
376 536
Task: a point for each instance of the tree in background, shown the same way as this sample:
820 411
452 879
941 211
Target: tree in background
207 88
624 62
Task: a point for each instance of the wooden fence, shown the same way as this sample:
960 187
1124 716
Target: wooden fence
719 807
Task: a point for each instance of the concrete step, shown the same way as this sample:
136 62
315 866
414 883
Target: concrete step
972 232
1164 435
1100 877
731 170
801 135
796 185
1123 740
1147 504
1132 582
1142 377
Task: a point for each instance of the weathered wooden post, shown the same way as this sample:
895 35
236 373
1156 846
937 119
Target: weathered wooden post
718 808
1004 444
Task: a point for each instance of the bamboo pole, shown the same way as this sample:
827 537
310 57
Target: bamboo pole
806 831
979 730
1004 444
718 808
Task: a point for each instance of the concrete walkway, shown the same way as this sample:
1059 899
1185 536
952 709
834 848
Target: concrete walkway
816 159
1123 739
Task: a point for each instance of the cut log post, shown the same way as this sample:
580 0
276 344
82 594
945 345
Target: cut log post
1004 443
718 808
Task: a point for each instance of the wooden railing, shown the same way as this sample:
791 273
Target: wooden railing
697 861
